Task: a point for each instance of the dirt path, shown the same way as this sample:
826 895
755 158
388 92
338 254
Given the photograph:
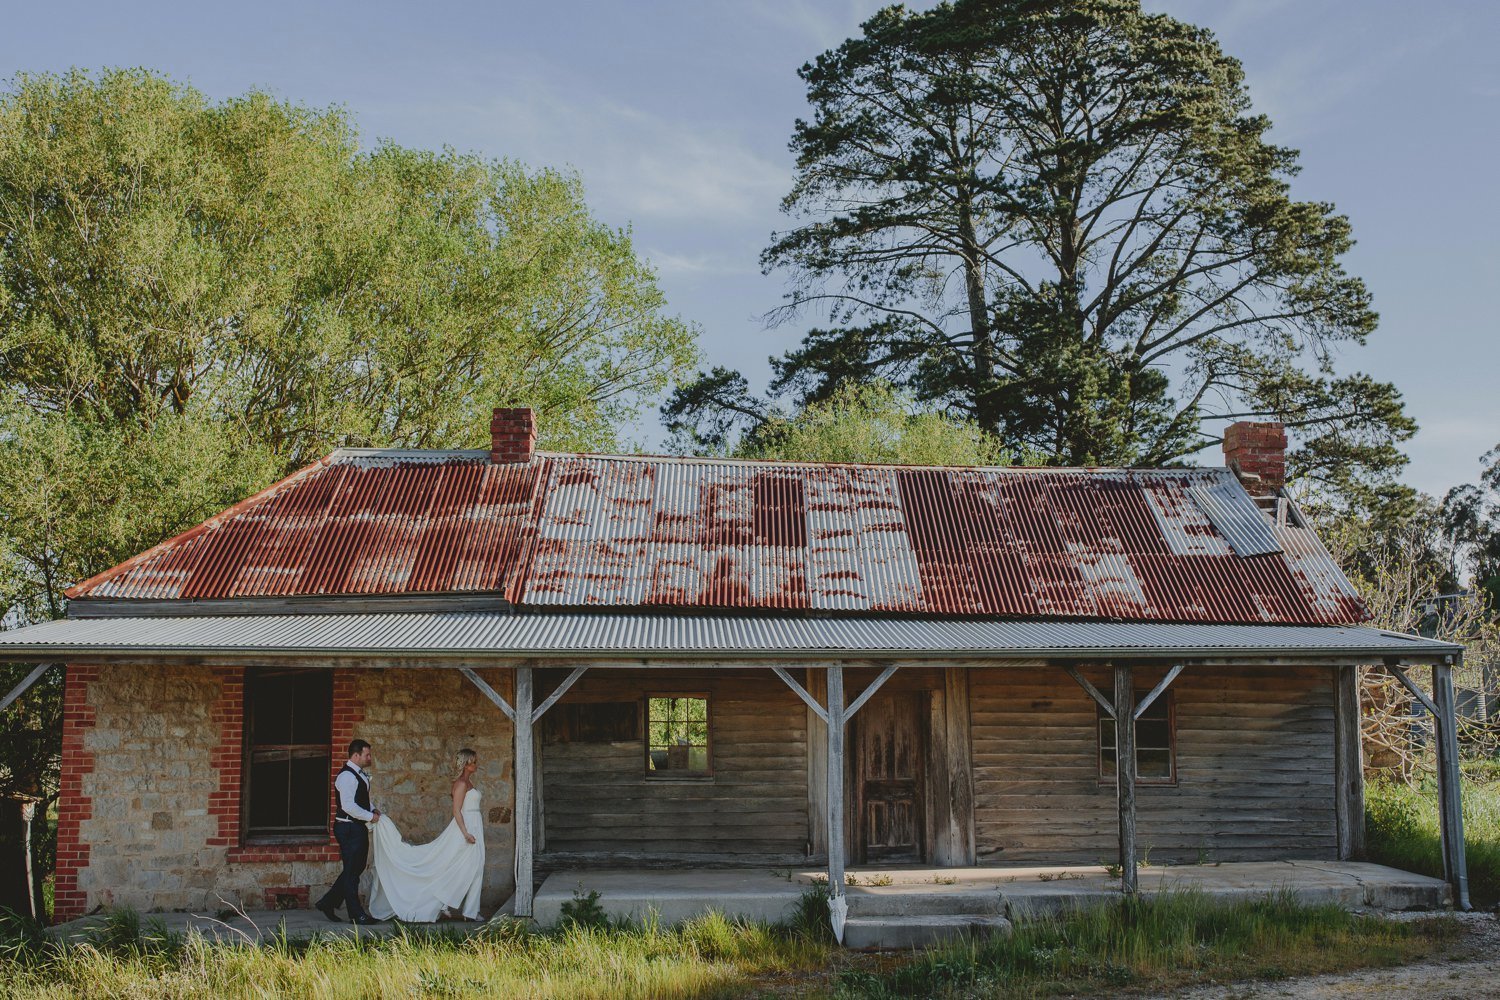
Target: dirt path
1473 971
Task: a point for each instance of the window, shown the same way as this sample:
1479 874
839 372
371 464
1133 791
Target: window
677 736
1155 752
288 729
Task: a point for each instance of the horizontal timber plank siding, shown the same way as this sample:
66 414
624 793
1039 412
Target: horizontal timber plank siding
1255 774
597 800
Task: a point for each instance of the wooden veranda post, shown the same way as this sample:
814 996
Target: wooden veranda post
1348 764
1124 705
835 781
524 787
1450 799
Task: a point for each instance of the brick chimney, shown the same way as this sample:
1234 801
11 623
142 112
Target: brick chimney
1257 454
512 434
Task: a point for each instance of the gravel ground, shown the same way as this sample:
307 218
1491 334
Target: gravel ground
1472 971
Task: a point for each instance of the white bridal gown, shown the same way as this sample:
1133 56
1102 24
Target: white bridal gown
416 882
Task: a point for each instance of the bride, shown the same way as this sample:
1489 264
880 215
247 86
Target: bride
417 882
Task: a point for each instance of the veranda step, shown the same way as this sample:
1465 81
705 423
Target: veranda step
920 931
919 901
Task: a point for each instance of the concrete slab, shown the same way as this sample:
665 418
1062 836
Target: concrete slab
674 896
932 901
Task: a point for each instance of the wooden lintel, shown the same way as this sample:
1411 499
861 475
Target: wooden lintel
869 692
1155 692
1093 692
562 689
490 693
802 693
25 685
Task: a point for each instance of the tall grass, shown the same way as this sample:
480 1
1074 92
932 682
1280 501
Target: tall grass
1402 830
712 956
1161 942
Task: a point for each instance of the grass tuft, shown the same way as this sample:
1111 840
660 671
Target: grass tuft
1401 830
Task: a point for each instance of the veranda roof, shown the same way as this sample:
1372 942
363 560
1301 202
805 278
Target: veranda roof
471 636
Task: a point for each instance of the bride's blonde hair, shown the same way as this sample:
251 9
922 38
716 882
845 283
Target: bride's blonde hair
464 758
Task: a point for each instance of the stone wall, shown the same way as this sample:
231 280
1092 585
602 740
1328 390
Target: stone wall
149 816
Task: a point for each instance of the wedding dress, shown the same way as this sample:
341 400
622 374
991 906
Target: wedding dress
416 882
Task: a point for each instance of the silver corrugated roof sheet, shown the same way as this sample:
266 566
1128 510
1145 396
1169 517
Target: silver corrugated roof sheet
480 634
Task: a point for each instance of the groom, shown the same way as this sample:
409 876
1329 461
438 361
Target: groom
353 787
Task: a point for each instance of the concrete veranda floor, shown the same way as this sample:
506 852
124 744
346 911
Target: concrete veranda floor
766 894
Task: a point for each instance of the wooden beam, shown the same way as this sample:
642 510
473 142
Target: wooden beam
801 692
1155 692
1348 764
1125 774
525 803
562 689
955 844
25 685
836 799
489 692
1411 686
1093 692
1450 794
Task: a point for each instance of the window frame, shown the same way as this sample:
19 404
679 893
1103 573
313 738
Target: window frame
287 835
1168 698
708 726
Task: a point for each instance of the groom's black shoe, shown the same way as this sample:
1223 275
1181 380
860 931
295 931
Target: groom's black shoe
364 920
327 911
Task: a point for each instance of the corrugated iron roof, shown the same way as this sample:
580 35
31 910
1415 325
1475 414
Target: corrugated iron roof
475 635
576 531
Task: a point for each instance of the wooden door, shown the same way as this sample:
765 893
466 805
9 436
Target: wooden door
889 768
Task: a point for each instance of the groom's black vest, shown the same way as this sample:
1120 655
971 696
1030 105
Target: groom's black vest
361 793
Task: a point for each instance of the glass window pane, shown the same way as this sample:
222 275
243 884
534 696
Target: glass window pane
268 793
677 735
1153 764
1107 763
270 717
1153 735
312 707
310 791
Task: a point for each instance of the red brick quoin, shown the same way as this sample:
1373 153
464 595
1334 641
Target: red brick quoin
73 806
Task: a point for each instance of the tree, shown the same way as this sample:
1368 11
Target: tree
1062 221
1471 521
197 298
873 423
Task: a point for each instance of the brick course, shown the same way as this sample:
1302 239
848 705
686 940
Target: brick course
1256 451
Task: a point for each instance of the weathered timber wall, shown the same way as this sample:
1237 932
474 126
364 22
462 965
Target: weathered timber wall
596 797
1255 770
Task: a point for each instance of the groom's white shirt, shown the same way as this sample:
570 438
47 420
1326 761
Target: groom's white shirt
347 783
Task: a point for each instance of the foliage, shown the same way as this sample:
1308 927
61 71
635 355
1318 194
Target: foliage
1402 829
1471 522
706 957
1402 570
1161 943
855 423
583 910
246 263
1063 222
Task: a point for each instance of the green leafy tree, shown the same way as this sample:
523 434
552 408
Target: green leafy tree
857 423
1471 521
1062 221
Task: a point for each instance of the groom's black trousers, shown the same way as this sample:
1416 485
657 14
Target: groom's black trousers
354 849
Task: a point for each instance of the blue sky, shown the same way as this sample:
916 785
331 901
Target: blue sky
677 116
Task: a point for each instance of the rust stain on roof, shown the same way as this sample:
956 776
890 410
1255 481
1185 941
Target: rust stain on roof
607 531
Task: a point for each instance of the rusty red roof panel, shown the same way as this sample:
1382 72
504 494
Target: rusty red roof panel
575 531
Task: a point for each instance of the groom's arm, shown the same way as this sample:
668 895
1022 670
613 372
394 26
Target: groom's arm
346 784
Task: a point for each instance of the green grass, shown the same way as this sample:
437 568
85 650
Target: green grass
708 957
1401 830
1163 943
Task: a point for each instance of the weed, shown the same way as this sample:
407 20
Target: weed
583 910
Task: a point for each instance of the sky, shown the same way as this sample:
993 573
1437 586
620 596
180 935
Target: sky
677 117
